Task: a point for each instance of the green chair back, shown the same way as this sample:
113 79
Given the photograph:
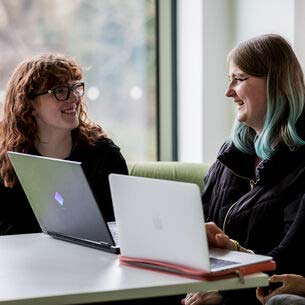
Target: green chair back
177 171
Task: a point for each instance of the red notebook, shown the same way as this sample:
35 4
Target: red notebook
169 268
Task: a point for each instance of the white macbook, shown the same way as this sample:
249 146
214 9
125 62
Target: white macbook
62 200
163 221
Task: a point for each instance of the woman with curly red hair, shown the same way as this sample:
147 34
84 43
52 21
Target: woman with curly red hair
44 114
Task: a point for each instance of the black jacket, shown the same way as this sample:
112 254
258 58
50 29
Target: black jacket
263 210
98 161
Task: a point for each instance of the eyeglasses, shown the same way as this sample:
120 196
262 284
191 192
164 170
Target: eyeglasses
62 93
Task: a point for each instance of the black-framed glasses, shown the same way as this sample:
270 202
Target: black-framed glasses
62 92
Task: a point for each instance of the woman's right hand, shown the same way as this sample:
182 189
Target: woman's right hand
217 238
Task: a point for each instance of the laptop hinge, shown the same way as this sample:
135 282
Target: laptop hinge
81 240
104 244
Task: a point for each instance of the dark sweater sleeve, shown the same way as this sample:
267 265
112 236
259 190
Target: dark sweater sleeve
16 215
290 253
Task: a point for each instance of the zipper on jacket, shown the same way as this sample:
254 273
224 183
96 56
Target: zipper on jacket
227 214
252 182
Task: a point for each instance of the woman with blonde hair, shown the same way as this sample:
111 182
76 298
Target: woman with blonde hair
254 192
44 114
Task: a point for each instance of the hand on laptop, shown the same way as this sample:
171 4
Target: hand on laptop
217 238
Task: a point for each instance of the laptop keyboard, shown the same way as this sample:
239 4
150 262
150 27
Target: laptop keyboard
114 232
219 263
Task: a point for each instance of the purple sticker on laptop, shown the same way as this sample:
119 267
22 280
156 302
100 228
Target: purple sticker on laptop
59 198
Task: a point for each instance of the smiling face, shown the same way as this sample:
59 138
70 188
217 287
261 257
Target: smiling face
249 93
56 116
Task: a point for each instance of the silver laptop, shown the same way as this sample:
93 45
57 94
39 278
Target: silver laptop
62 201
163 220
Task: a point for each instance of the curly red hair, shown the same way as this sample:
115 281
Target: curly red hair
18 128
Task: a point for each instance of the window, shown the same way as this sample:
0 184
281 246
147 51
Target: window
115 42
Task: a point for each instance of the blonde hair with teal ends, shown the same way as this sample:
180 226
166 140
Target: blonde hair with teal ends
271 56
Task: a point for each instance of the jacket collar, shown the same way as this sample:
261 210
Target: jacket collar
282 162
239 163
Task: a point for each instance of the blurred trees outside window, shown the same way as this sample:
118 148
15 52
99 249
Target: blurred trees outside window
113 40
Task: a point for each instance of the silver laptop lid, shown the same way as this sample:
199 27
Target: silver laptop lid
60 197
160 220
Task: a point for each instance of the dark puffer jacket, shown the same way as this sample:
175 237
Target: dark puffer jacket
263 210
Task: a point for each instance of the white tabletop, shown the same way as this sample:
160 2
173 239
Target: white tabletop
37 269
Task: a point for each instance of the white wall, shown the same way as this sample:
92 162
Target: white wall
257 17
299 26
190 74
205 116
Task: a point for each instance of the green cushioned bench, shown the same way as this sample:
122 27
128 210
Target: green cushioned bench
177 171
